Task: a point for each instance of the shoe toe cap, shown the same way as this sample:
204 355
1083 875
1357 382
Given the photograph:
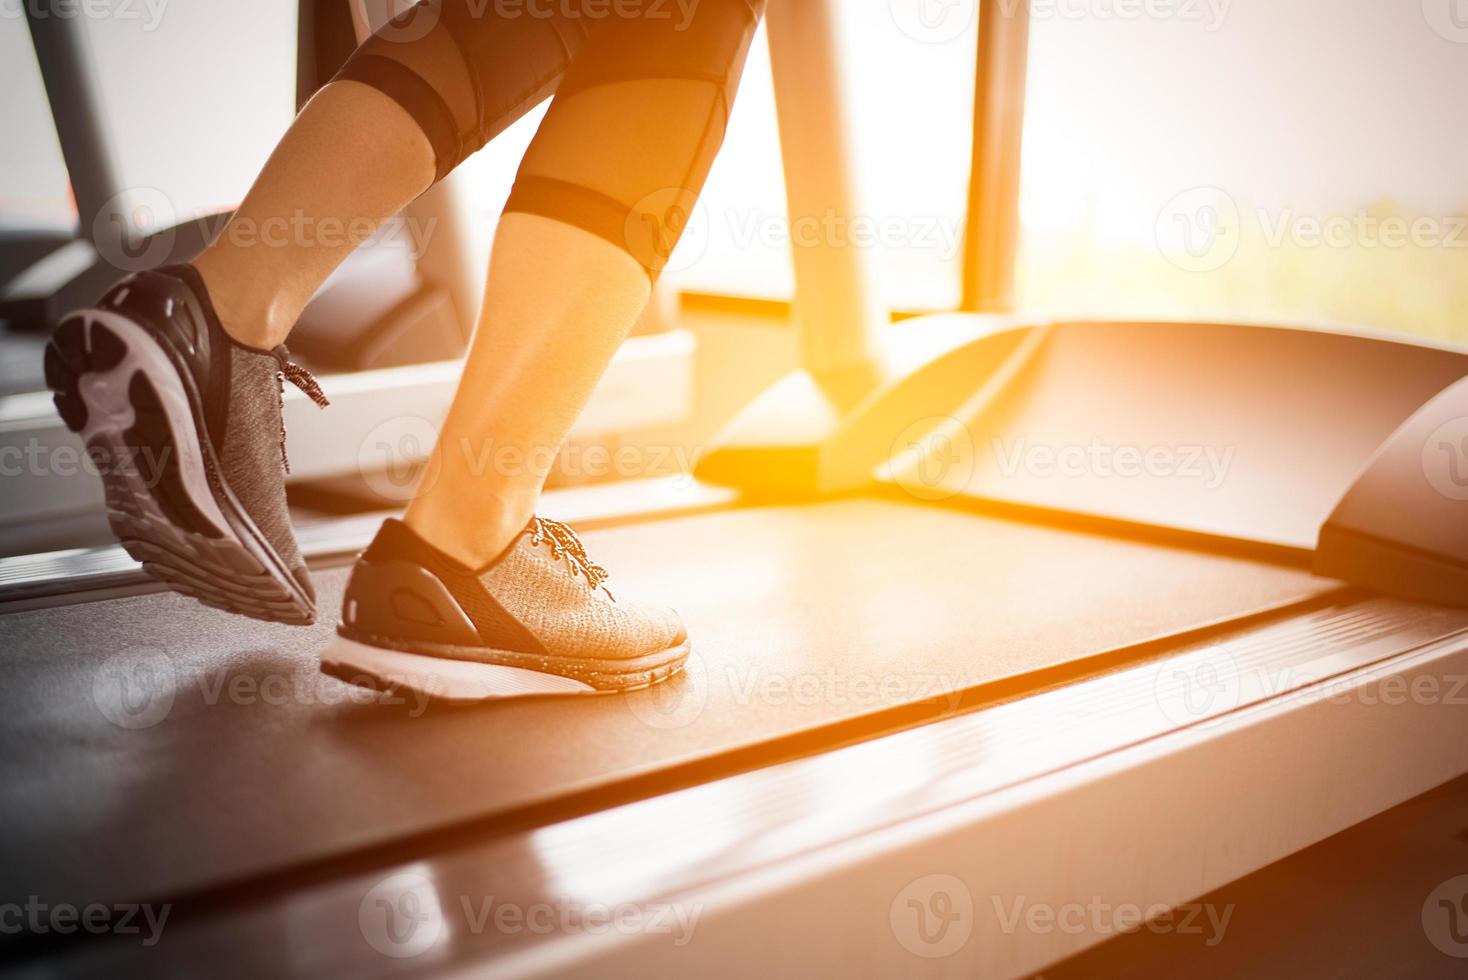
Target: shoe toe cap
659 627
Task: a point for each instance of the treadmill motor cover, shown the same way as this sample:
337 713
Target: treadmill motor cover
1402 528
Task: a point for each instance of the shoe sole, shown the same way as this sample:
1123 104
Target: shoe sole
446 679
119 389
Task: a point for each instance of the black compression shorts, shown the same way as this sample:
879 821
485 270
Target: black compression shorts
642 88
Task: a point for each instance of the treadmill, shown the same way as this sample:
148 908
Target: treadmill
932 671
384 335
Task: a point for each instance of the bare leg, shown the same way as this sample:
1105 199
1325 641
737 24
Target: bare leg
352 159
639 117
558 303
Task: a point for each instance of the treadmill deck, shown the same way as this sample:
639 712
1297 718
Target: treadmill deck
153 747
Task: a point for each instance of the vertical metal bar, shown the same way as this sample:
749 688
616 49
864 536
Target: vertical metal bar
76 108
992 228
838 317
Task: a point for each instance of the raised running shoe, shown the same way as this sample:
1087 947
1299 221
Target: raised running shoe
184 424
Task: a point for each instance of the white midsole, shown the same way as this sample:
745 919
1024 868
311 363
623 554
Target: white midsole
449 680
105 394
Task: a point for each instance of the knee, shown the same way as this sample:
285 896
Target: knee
628 144
462 73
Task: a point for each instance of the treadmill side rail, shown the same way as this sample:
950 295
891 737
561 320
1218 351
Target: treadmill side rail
1181 794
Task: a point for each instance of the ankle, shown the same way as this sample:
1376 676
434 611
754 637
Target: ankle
476 537
242 314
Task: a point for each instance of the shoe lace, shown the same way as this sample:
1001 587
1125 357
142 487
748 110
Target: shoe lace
564 542
302 379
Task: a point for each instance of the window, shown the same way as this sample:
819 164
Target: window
195 98
732 245
1254 159
911 107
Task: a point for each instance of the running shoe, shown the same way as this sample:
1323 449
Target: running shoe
184 425
539 619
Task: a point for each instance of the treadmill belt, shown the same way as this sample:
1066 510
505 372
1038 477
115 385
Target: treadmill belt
152 747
